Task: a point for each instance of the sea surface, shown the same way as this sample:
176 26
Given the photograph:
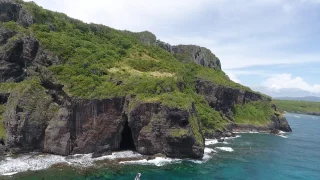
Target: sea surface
293 156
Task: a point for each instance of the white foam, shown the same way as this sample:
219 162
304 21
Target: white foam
248 132
282 132
158 161
208 154
9 174
229 149
215 141
208 150
237 136
34 162
210 142
282 135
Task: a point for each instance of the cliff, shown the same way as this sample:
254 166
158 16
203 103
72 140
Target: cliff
67 87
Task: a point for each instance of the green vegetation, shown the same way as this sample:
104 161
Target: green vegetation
195 128
297 106
100 62
210 118
256 113
2 131
178 132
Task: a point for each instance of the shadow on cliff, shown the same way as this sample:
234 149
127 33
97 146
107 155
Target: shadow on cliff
127 142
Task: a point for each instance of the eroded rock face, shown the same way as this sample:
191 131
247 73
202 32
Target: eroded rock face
153 128
92 125
57 134
192 53
19 58
160 129
26 117
11 11
223 98
97 123
196 54
279 123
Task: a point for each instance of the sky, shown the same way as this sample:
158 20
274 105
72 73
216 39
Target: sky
272 46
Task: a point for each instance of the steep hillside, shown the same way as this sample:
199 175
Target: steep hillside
69 87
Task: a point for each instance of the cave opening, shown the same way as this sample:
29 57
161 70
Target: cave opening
127 142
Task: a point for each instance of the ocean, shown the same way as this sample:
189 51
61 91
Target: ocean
293 156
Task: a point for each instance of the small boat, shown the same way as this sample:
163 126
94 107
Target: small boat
138 176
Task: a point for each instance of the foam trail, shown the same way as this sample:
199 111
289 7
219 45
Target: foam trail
211 142
282 135
34 162
281 132
237 136
229 149
9 174
158 161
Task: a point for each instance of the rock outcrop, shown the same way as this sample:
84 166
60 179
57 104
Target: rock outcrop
196 54
11 11
170 131
192 53
27 114
223 98
21 57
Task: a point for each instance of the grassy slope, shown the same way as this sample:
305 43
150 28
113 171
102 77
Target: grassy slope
256 113
297 106
101 62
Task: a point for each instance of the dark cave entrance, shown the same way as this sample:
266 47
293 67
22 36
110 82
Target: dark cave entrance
127 142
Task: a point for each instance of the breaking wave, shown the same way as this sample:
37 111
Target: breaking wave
34 162
229 149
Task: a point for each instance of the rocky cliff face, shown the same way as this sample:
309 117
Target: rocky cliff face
192 53
11 11
40 124
21 56
223 98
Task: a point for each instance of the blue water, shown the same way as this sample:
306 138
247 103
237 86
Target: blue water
255 156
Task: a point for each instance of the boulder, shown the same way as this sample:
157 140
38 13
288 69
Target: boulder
3 149
101 151
220 140
57 134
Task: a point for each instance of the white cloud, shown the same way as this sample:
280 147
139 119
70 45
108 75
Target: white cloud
287 81
233 77
138 15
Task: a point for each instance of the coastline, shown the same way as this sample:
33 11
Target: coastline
306 113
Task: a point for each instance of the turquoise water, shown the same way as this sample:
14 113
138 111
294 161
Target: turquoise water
254 156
